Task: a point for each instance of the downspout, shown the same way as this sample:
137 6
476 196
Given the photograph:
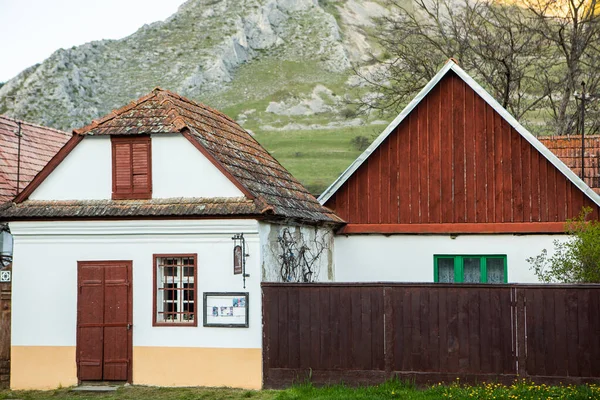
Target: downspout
582 130
19 135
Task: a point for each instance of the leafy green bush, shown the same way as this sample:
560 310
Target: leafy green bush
576 260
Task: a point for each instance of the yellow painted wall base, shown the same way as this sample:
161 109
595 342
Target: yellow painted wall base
42 367
183 366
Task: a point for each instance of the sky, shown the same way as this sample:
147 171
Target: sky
31 30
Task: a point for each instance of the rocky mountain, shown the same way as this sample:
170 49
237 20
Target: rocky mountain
282 68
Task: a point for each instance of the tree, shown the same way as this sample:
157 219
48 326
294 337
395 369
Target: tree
571 28
530 59
576 260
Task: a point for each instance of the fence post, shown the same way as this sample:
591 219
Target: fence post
265 342
521 333
388 330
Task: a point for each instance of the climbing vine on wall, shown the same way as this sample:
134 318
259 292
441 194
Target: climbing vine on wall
299 256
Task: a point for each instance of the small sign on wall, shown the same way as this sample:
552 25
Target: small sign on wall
226 310
238 254
5 276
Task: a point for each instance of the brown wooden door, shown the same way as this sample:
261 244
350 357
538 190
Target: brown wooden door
104 318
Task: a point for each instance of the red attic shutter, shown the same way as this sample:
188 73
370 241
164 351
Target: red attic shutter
132 168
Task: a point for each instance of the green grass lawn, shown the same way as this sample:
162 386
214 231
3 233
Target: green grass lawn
390 390
317 157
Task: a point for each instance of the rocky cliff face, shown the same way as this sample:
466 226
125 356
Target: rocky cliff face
196 52
282 68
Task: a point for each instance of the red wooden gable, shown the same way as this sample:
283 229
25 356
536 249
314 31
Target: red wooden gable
454 164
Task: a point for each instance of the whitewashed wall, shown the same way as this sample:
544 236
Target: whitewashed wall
178 170
181 170
409 258
45 277
85 174
271 250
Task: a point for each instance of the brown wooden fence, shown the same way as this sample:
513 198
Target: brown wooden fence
5 299
367 333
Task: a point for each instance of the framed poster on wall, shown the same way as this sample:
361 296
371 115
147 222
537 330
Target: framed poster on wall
226 309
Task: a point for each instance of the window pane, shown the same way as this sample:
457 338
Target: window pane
170 291
188 307
188 271
472 270
188 292
445 270
495 270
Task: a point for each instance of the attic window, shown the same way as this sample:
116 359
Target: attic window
132 168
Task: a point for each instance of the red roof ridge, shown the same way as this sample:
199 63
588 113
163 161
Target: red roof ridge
6 117
114 113
176 119
196 103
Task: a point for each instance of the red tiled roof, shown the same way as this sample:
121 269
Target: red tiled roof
234 151
568 149
38 145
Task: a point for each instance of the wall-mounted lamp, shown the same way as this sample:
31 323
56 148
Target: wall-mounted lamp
5 260
239 256
6 249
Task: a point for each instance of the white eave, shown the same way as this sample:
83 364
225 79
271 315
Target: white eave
451 66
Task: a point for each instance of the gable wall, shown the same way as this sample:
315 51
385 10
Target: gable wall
178 170
85 174
455 160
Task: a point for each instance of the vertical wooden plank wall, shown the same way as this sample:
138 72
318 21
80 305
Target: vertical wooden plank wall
455 160
367 333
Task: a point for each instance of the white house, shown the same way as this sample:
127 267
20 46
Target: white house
125 267
453 190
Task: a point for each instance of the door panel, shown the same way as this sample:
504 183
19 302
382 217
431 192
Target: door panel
89 351
116 315
104 314
115 354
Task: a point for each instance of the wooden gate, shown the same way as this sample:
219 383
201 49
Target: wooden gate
104 318
428 333
5 299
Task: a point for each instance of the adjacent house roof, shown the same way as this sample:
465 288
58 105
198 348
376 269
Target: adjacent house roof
272 190
38 145
568 149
